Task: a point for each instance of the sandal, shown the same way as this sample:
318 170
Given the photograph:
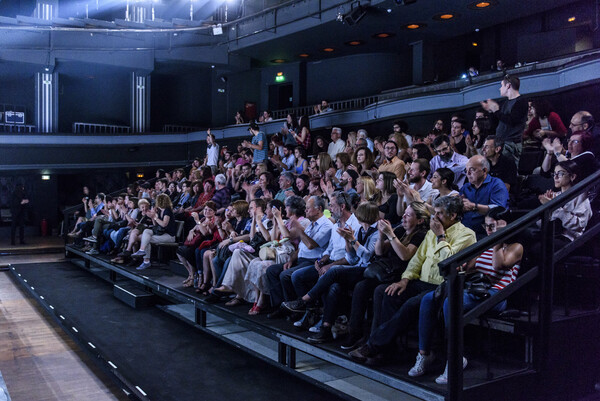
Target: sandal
203 288
187 280
255 310
188 283
234 302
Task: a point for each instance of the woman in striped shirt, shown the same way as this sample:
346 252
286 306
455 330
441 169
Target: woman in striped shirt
499 264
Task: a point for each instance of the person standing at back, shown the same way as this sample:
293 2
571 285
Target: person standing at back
511 116
18 208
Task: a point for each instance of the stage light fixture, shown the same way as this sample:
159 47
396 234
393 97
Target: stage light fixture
217 30
571 19
357 12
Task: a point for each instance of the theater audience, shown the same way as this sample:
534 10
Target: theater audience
501 166
510 118
400 305
482 193
498 267
446 157
391 162
545 122
337 145
163 229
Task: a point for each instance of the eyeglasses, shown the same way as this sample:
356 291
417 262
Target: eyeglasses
559 174
574 141
390 148
491 227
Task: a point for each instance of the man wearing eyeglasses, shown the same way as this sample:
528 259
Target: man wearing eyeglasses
511 117
448 158
584 121
480 194
392 162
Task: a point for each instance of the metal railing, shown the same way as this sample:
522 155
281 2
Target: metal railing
413 90
544 270
91 128
180 129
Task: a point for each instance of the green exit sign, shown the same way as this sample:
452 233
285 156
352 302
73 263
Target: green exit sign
280 77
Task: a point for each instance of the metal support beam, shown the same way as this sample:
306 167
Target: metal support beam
291 357
281 353
200 317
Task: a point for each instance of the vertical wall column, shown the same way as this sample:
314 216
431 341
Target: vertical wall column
46 101
140 102
422 62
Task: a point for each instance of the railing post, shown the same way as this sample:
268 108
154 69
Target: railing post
455 335
546 290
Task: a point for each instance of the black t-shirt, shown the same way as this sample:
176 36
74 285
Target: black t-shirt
461 147
506 170
511 119
389 210
171 228
392 257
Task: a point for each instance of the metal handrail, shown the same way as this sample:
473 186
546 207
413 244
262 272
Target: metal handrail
545 269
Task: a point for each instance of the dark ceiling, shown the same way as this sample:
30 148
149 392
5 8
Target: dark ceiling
391 18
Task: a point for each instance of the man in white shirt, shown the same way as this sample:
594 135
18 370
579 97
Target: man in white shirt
212 152
337 145
314 240
417 176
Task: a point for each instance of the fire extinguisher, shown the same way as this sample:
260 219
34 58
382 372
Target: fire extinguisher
44 227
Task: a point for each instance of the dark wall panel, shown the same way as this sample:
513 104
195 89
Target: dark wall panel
99 99
19 92
356 76
181 99
240 88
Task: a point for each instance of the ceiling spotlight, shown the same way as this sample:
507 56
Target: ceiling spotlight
571 19
328 49
475 44
357 12
355 43
389 10
303 55
476 29
217 30
414 26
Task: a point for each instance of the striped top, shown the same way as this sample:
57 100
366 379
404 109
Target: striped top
500 278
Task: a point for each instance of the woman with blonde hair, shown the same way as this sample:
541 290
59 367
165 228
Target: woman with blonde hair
365 187
164 229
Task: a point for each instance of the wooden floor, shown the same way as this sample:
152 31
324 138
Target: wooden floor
37 360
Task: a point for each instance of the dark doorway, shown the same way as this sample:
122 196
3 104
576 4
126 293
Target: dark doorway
281 96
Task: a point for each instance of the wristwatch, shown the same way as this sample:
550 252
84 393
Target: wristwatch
353 242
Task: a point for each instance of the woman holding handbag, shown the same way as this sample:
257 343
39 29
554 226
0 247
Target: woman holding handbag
255 279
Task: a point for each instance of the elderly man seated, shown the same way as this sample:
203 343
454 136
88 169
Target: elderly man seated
481 193
400 305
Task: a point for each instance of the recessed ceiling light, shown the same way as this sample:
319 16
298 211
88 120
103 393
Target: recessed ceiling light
328 49
476 29
446 16
355 43
278 60
414 26
475 44
481 5
304 55
571 19
389 10
383 35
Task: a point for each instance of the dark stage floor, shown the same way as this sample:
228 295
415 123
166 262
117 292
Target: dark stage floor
164 356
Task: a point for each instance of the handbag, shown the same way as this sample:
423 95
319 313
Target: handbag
478 284
381 270
158 230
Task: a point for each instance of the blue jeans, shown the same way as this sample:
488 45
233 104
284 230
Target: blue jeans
280 281
429 310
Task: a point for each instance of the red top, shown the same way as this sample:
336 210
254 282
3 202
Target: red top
555 123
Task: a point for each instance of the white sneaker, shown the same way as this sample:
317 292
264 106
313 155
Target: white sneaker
139 253
443 378
421 365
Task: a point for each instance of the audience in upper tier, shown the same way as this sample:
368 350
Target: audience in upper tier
291 223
